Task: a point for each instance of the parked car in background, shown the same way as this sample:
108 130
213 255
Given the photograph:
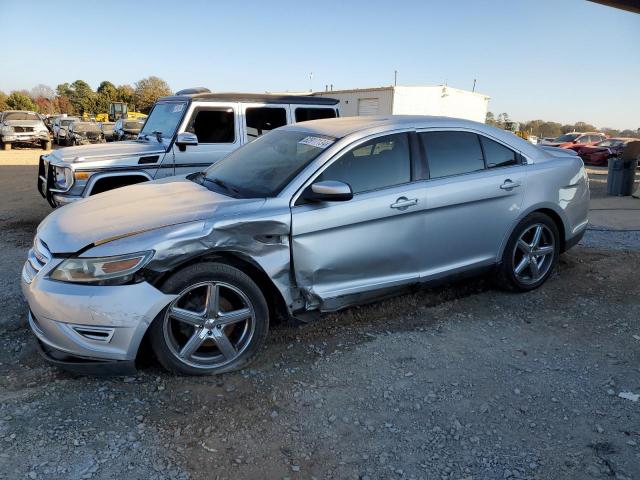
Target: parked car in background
309 218
20 127
107 130
127 128
84 133
60 127
600 153
576 138
184 133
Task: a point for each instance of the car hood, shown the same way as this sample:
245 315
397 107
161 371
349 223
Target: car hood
135 209
112 151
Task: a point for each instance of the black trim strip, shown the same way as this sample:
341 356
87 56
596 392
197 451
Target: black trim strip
143 167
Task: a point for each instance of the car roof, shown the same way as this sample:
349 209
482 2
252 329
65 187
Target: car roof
344 126
253 97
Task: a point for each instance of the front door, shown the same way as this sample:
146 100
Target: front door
367 243
474 196
218 132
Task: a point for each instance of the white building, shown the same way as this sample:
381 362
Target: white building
422 100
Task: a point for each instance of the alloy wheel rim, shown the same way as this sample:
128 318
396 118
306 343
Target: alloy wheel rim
533 254
209 325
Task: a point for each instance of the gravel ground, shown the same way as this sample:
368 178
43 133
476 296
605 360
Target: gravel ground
457 382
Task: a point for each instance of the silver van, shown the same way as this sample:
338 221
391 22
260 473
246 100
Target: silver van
184 133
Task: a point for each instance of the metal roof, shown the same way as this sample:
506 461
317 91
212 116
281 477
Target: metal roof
254 97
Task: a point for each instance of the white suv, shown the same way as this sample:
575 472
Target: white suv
184 133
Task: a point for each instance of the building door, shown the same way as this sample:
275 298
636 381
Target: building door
368 106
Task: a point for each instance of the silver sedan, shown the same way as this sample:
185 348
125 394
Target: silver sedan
309 218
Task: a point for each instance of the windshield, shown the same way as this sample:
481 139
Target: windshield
66 123
567 137
85 127
265 166
164 118
20 116
133 125
609 143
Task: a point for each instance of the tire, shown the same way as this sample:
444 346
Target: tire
534 269
45 144
186 349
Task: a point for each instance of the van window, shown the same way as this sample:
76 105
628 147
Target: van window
452 153
213 125
304 114
260 120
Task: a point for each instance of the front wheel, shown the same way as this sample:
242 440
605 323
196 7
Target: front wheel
531 253
217 323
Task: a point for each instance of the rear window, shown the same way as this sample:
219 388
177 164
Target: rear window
452 153
304 114
497 155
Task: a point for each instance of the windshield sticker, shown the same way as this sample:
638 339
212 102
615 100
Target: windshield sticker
178 108
317 142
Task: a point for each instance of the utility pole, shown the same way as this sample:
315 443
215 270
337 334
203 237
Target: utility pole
311 81
395 78
474 85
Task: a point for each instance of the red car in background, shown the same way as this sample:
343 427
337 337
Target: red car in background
600 153
572 139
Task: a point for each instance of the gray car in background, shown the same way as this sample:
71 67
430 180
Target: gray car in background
19 127
309 218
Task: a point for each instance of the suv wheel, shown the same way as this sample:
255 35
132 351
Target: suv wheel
531 253
216 324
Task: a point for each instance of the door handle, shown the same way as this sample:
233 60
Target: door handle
403 203
509 185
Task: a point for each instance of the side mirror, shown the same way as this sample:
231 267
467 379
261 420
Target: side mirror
185 139
328 191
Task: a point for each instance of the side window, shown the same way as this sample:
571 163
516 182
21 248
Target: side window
583 139
260 120
497 155
452 153
303 114
213 125
382 162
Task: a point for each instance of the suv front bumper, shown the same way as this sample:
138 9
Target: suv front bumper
25 137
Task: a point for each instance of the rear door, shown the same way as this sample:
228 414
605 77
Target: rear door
474 195
217 128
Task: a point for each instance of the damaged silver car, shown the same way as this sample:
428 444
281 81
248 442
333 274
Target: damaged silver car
84 133
310 218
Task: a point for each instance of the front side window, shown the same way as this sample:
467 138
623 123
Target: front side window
452 153
583 139
213 125
378 163
260 120
304 114
497 155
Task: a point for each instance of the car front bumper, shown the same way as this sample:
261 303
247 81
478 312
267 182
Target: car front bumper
93 323
27 137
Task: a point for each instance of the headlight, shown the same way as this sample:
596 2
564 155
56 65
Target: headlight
101 270
62 178
6 130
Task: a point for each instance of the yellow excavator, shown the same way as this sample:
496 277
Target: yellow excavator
118 110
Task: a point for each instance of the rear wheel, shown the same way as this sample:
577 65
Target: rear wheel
217 323
531 253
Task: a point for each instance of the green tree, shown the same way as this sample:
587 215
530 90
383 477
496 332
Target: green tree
82 97
108 90
21 101
490 119
3 101
64 90
148 90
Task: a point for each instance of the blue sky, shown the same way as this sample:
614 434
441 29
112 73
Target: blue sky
563 60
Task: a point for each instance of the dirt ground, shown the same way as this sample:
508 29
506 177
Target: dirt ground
458 382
